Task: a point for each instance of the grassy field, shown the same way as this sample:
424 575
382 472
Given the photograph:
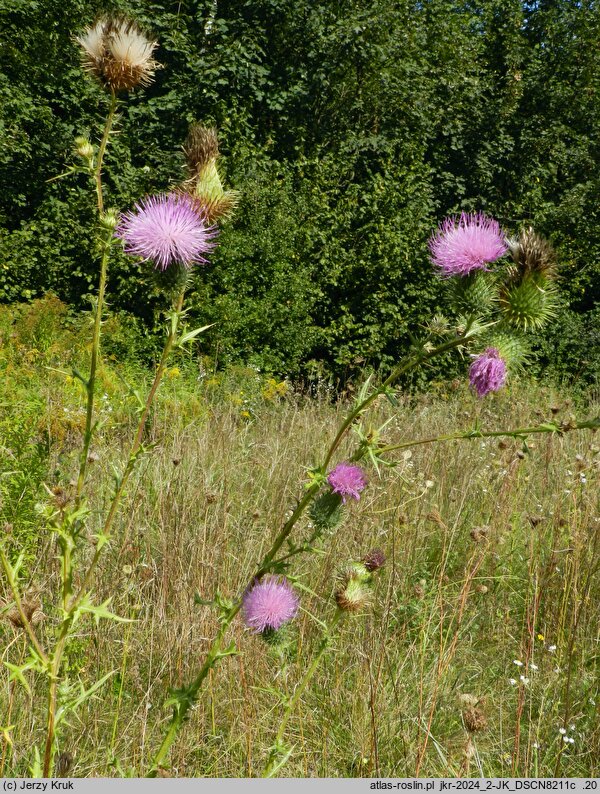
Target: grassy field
479 656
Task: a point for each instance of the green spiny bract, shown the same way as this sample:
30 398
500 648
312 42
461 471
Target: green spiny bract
473 294
527 296
528 303
326 511
513 348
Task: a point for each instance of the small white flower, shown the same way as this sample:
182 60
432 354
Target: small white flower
592 701
533 666
582 478
552 648
518 663
524 679
566 739
512 681
571 727
557 669
571 740
536 746
562 731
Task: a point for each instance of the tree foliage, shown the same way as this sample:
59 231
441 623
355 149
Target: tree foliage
350 129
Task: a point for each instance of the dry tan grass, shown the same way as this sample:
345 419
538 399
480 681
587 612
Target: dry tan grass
454 606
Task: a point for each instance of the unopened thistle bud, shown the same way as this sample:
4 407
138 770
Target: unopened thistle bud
118 53
202 153
109 219
325 512
84 148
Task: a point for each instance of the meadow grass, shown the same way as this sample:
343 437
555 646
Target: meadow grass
493 556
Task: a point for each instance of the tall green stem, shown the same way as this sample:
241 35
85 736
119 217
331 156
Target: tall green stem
91 382
273 765
519 432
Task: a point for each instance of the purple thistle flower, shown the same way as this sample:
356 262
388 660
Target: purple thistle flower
167 229
488 372
347 480
462 245
269 603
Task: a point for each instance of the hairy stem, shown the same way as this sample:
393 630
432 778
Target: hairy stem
519 432
91 382
101 151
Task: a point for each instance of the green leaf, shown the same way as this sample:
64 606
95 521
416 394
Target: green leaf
98 612
192 334
16 674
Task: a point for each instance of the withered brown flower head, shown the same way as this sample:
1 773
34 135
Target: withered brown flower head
532 254
374 560
32 609
201 146
475 719
118 53
201 150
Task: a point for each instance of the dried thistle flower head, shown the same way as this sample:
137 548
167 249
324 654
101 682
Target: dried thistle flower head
118 53
374 560
475 719
201 147
201 150
63 764
32 609
532 253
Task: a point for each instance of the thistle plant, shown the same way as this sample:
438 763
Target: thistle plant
171 233
488 322
493 303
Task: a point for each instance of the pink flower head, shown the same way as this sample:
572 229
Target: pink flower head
462 245
269 603
167 229
347 480
488 372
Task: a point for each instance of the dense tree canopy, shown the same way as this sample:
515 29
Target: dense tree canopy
350 129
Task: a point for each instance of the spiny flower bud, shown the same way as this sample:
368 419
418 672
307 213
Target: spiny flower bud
109 219
325 512
83 147
354 594
529 302
118 53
